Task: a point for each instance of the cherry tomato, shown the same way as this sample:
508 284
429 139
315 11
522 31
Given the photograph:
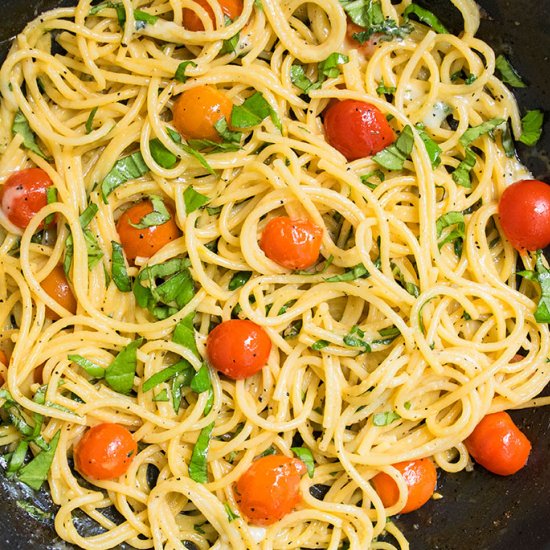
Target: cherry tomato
366 48
230 8
294 244
24 194
238 348
57 287
144 242
357 129
524 210
270 488
197 110
105 451
3 358
499 445
420 477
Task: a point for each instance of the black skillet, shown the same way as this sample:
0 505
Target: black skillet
479 511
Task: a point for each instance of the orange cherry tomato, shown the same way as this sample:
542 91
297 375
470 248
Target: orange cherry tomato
238 348
357 129
230 8
57 287
499 445
144 242
420 477
294 244
24 194
197 110
105 451
270 488
524 210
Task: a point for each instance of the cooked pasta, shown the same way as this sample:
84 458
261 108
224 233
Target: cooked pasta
391 348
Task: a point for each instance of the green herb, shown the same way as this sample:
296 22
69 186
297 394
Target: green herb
90 121
17 458
306 456
176 138
407 405
508 74
213 146
144 17
193 200
449 219
388 335
198 466
354 339
394 156
384 418
357 272
162 155
293 329
231 515
301 81
165 374
425 16
162 396
239 279
319 345
508 142
471 134
201 381
252 112
51 197
22 127
461 174
330 67
214 210
230 45
125 169
88 215
158 216
33 511
120 373
228 135
119 271
385 90
365 179
531 127
432 148
36 471
184 334
421 315
95 371
542 275
180 71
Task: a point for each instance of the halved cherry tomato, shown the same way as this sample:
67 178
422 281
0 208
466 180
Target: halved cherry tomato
366 48
420 477
270 488
238 348
357 129
24 194
499 445
57 287
144 242
230 8
105 451
197 110
524 210
294 244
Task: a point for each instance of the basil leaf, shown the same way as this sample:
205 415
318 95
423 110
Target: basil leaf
373 174
385 418
181 367
51 197
36 471
394 156
319 345
94 10
230 45
471 134
330 67
388 29
90 121
300 80
542 314
143 16
176 138
193 200
306 456
92 247
461 175
181 380
388 335
184 334
88 215
34 512
182 67
456 235
425 16
201 381
448 219
432 148
354 339
162 156
119 271
508 74
239 279
231 515
385 90
508 142
251 113
531 127
95 371
120 373
357 272
198 466
158 216
161 396
22 127
17 458
127 168
228 135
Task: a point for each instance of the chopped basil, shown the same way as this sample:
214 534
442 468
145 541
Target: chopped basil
394 156
230 45
95 371
88 215
239 279
176 138
385 418
432 148
51 197
213 146
508 74
425 16
385 90
162 396
162 156
118 269
184 334
450 219
120 373
542 275
461 174
33 511
531 127
198 466
231 515
471 134
388 335
300 80
252 112
306 456
411 288
319 345
127 168
181 367
22 127
508 142
214 210
182 67
193 200
407 405
17 458
357 272
36 471
284 308
144 17
229 136
158 216
365 179
354 339
293 329
201 381
330 67
90 121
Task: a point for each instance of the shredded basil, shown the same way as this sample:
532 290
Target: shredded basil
385 418
95 371
385 90
432 148
231 515
252 112
508 74
119 271
90 121
120 373
239 279
542 275
162 155
180 71
306 456
394 156
425 16
162 396
387 335
36 471
508 142
319 345
301 81
17 458
365 179
531 127
357 272
183 367
158 216
354 339
471 134
461 175
184 334
457 235
33 511
22 127
126 169
198 466
193 200
229 136
176 138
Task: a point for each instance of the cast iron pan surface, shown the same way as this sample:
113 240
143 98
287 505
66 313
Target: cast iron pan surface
479 510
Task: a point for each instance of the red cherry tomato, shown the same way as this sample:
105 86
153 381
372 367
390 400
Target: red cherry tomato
270 488
105 451
57 287
230 8
294 244
238 348
499 445
144 242
357 129
420 477
524 210
24 194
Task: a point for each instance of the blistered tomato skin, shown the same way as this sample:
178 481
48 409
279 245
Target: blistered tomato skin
197 110
294 244
524 210
238 348
56 285
230 8
357 129
24 194
105 451
270 488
